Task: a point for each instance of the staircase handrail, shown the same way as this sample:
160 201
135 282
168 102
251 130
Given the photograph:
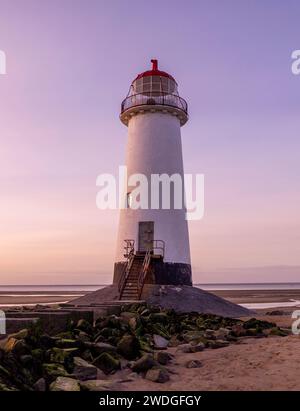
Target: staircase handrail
126 271
144 271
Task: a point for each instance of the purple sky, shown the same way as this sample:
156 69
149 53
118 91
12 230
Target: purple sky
70 64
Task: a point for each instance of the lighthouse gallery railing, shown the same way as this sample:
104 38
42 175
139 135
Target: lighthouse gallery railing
171 100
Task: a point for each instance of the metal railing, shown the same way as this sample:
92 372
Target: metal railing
143 274
159 246
171 100
129 247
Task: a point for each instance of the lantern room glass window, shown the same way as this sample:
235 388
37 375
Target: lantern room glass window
154 85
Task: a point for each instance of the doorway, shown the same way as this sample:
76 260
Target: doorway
146 235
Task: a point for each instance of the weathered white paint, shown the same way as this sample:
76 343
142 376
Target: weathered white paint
154 147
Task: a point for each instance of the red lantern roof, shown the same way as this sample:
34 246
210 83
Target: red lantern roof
154 72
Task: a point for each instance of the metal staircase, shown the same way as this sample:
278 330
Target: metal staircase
136 269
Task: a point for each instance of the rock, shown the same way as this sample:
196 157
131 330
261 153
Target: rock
82 336
162 357
126 315
100 347
218 344
159 318
26 360
159 375
99 385
63 356
85 326
84 371
38 354
107 363
129 347
20 335
16 347
160 343
191 348
197 347
277 331
46 342
193 336
258 324
68 343
238 330
40 385
221 333
65 384
144 363
193 364
51 371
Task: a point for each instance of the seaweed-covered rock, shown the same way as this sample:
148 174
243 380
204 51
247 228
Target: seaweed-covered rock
107 363
52 371
144 363
63 356
84 325
129 347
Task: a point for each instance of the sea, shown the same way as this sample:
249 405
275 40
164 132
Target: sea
93 287
80 289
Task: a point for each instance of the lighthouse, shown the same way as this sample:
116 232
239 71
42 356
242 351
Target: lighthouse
153 242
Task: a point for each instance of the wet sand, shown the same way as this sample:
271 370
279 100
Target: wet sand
235 296
255 364
40 297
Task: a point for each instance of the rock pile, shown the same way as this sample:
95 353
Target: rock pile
85 355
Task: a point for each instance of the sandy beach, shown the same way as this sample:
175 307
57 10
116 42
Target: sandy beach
255 364
251 364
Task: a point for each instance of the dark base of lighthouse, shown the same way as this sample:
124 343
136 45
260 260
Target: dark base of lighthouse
161 273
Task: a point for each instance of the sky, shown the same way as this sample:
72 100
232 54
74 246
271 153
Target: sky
70 64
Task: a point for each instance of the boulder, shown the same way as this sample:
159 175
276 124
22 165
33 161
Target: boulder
144 363
162 357
107 363
159 375
52 371
100 347
129 347
160 342
65 384
85 371
63 356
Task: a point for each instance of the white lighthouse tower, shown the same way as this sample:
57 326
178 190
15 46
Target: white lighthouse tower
153 243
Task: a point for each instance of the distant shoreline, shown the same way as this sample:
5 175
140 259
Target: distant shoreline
251 298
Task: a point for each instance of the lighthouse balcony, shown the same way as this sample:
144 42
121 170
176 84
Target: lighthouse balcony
140 103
